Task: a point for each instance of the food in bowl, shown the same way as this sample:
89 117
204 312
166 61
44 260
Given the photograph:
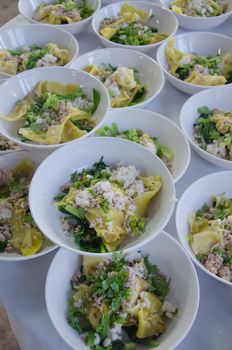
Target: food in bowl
55 113
106 204
213 132
18 232
199 8
200 70
210 236
63 12
131 27
28 57
7 145
120 302
142 138
122 84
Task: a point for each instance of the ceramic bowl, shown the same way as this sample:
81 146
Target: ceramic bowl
75 157
201 43
193 198
164 251
163 19
19 86
18 37
149 72
27 8
217 98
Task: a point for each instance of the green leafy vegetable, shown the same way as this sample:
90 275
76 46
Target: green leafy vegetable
104 326
96 100
77 212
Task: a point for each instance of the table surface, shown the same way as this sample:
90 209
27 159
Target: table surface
22 283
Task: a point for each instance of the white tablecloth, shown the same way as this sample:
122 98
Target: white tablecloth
22 284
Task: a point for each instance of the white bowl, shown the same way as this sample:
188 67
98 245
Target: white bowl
194 198
132 59
27 8
17 87
164 251
163 19
200 23
201 43
217 98
25 35
84 154
155 125
9 161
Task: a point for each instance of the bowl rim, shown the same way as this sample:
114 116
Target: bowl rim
19 257
69 25
181 15
221 162
182 237
135 47
24 26
166 236
54 146
134 52
56 240
162 117
182 82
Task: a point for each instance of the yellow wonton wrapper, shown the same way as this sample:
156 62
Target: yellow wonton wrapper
54 87
153 184
49 15
111 238
108 32
126 8
204 241
157 37
89 264
55 134
25 237
173 56
8 64
202 79
124 82
150 319
55 50
124 99
20 110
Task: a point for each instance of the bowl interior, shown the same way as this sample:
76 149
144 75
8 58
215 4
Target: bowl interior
9 161
162 19
194 198
84 154
28 7
18 87
143 64
155 125
203 44
18 37
166 253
